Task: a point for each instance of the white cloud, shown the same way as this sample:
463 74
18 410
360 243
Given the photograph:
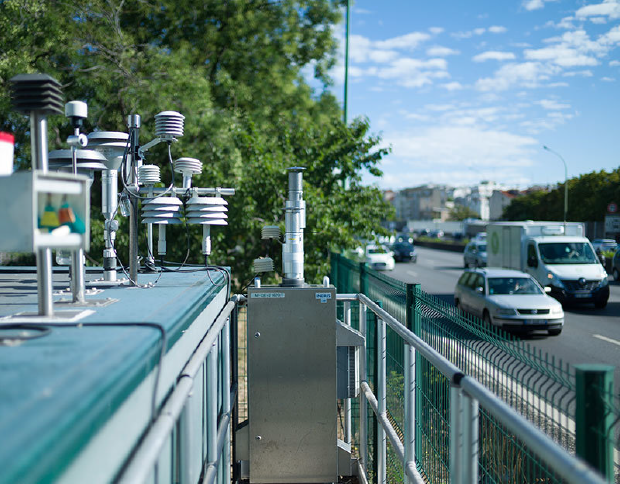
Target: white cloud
526 74
552 104
573 49
608 8
468 34
584 73
535 4
452 86
493 55
407 41
608 79
497 29
614 63
439 51
436 30
598 20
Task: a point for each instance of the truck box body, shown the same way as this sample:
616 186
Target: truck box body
556 254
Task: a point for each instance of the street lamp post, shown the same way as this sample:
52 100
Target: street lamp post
565 182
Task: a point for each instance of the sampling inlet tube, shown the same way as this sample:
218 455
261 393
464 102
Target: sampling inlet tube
295 222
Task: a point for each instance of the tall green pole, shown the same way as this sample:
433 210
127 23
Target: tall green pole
346 62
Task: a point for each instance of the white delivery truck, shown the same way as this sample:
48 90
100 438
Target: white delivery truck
556 254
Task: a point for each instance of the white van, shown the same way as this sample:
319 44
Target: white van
556 254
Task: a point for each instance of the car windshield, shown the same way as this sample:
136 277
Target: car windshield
482 247
376 250
567 253
512 285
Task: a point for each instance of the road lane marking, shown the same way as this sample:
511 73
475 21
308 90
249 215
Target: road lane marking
412 273
605 338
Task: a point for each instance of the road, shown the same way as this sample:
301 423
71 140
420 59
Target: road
589 336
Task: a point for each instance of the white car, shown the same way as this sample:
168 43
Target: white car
380 258
509 299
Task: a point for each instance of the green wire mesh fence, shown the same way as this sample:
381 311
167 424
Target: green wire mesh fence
535 384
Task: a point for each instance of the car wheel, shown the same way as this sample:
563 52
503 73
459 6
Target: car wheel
600 304
466 265
555 332
457 303
616 274
487 318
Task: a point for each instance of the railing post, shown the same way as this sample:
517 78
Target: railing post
409 388
381 452
226 403
594 420
456 436
363 377
234 328
211 381
347 401
470 438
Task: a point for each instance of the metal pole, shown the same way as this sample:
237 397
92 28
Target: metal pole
470 438
565 182
363 405
133 122
226 407
346 63
38 141
44 282
78 287
409 429
347 401
185 437
211 405
381 398
456 434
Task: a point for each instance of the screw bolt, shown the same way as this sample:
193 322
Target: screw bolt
258 437
257 335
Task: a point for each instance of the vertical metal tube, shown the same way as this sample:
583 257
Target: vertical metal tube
234 327
44 282
185 437
347 401
133 122
382 402
456 433
295 222
470 438
109 206
226 403
38 141
409 429
211 405
78 286
363 404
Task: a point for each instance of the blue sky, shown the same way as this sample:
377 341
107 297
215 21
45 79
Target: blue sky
465 91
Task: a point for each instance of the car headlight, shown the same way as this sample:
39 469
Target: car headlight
505 311
604 282
554 280
557 310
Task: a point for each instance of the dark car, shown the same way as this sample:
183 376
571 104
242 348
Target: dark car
615 265
404 252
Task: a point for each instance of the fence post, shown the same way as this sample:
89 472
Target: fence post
347 401
470 412
409 389
381 398
594 419
362 397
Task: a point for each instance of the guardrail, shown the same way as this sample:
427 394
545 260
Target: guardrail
178 419
468 398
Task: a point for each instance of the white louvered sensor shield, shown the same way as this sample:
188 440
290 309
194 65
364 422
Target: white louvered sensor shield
263 264
270 232
162 210
188 167
206 211
169 124
149 175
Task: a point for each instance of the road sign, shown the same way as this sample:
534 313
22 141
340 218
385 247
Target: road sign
612 207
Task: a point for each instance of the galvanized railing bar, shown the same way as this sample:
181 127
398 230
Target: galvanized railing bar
200 355
449 370
147 454
222 430
412 472
569 467
346 297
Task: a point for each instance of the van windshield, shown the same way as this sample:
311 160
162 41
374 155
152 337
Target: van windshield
567 253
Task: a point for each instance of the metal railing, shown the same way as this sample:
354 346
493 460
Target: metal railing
467 398
540 387
207 376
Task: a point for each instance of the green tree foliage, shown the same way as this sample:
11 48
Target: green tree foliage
461 212
236 69
588 197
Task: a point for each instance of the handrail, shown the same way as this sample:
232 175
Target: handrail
570 468
142 462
